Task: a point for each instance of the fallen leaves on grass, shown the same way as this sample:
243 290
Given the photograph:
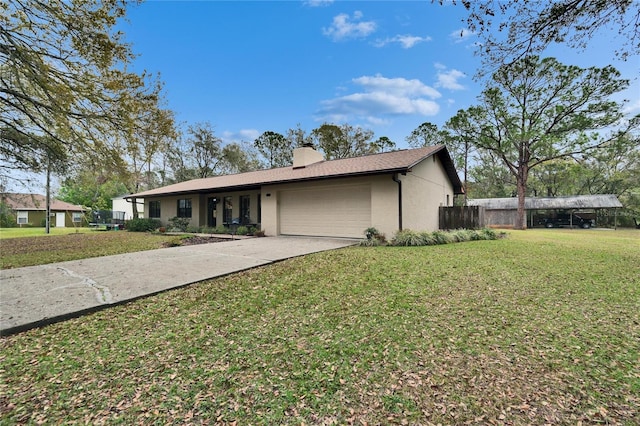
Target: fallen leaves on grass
355 336
29 251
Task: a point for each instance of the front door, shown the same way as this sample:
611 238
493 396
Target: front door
60 219
212 205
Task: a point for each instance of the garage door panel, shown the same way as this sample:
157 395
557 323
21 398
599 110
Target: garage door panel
334 212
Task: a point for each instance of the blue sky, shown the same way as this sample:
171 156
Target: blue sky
388 66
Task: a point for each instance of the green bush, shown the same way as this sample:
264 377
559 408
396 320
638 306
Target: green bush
242 230
407 237
428 238
374 237
220 229
179 224
442 237
489 234
7 218
142 225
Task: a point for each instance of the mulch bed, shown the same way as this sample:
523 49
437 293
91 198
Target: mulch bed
195 240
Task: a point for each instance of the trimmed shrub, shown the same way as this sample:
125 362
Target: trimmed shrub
242 230
179 224
142 225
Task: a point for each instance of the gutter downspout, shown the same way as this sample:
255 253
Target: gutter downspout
399 182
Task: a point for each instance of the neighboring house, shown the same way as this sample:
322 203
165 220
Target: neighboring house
31 210
121 204
578 210
314 197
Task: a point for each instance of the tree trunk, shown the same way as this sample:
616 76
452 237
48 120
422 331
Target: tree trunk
47 221
466 171
134 207
521 181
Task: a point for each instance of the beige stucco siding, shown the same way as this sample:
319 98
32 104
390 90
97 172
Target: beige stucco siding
169 208
424 189
383 201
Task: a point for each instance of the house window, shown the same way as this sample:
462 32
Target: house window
259 210
154 209
76 217
184 207
245 203
227 213
23 217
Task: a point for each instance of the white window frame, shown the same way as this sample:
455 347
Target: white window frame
76 217
22 217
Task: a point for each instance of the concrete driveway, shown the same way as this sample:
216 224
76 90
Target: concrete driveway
40 295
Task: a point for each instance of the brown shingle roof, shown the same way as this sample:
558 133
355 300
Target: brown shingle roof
389 162
37 202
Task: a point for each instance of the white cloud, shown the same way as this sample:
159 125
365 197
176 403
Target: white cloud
243 135
449 79
318 3
406 41
345 27
632 107
399 86
463 34
381 96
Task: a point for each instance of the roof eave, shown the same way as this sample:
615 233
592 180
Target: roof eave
272 182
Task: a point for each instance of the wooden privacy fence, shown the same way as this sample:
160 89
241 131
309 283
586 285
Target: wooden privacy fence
457 217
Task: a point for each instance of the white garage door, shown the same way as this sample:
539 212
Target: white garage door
343 211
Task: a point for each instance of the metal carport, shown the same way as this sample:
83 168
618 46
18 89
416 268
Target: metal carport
502 211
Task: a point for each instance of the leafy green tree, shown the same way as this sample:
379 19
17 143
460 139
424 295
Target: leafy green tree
238 158
205 149
537 110
143 142
343 141
531 26
275 148
298 137
383 144
179 164
489 178
458 135
64 82
426 134
91 188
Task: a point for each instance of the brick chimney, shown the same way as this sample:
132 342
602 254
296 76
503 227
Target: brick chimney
305 155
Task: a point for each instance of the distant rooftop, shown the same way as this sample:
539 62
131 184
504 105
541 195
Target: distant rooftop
36 202
602 201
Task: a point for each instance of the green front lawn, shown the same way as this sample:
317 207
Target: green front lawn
540 328
38 232
39 249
